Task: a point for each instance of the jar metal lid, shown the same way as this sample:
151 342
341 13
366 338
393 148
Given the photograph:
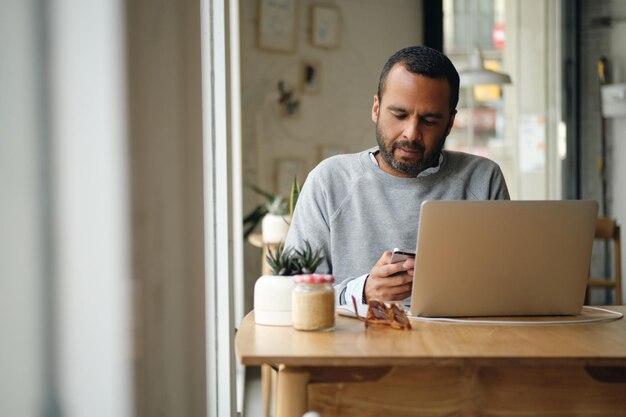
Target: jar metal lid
314 279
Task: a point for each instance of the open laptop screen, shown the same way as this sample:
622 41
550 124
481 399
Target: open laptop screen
502 258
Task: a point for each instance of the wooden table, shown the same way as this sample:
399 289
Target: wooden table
440 369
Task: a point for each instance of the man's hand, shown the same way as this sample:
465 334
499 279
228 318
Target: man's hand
389 282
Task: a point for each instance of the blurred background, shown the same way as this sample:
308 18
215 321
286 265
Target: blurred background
130 131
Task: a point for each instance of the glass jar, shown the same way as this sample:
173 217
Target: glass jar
313 299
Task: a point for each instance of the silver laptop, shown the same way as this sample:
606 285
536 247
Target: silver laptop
502 258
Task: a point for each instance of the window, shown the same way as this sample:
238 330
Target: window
518 125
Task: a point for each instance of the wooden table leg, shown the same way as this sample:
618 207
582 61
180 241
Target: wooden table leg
274 382
266 388
291 395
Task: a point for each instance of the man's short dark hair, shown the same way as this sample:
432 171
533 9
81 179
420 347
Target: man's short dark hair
424 61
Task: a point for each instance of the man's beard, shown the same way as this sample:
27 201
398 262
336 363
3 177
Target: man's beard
411 168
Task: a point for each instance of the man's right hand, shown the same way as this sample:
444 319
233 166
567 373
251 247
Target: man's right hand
389 282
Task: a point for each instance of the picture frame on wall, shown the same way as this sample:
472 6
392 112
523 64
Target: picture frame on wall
324 26
310 77
286 169
277 25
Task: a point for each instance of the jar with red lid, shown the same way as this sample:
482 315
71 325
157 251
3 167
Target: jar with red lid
313 302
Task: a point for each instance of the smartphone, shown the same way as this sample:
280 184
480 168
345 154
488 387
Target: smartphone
400 255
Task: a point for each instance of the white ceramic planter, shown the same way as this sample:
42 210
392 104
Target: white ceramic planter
274 228
272 300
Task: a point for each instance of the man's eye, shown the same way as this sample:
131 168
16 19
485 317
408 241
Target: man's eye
399 116
429 122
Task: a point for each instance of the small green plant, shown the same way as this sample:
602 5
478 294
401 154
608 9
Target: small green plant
278 206
274 204
293 196
308 259
287 261
282 261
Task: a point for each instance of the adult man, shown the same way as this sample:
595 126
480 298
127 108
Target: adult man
357 207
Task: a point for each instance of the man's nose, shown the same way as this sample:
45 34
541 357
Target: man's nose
411 129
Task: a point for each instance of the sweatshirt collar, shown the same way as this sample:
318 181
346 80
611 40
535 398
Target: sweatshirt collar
424 173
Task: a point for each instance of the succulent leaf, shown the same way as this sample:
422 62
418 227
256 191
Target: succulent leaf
287 261
273 204
308 259
281 261
293 196
277 205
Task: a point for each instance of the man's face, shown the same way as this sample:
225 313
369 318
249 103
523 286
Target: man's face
412 122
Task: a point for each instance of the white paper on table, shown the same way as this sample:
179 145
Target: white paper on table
348 310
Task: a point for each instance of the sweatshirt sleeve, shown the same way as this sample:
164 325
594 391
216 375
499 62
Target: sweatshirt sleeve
499 190
311 221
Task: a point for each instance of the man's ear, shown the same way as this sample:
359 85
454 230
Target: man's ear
375 109
451 122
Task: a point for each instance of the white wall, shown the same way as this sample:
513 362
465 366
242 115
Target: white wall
339 114
22 258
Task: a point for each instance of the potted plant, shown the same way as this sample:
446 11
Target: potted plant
275 214
273 293
313 297
275 223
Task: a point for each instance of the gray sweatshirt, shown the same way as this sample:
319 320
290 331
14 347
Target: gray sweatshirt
355 211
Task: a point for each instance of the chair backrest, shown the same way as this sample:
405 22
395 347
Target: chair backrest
608 230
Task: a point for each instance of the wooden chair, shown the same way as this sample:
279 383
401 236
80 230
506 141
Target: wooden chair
608 230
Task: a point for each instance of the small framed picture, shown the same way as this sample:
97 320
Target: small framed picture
326 151
324 26
310 75
286 169
277 25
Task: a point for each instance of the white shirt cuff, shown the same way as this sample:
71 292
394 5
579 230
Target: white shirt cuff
355 288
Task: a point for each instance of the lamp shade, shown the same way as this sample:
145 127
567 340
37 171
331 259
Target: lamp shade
477 74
